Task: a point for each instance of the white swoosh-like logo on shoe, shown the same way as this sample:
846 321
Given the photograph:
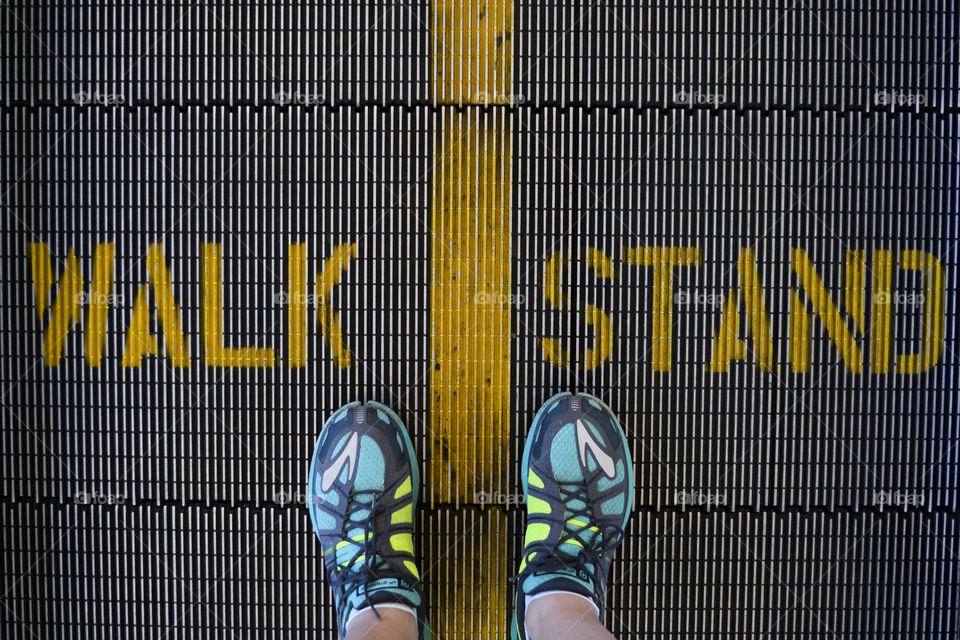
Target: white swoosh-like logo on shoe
585 441
347 456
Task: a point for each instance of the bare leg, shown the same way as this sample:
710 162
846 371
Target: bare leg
564 617
393 624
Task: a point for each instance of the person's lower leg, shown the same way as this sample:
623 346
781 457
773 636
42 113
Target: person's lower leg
393 624
564 617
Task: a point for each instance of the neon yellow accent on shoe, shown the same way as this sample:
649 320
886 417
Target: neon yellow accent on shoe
580 525
351 540
523 561
403 489
404 514
402 542
537 505
412 568
536 531
583 524
534 479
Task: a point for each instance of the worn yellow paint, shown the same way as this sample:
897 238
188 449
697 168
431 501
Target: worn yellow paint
551 280
473 52
758 320
470 298
596 317
881 311
552 351
139 341
68 304
297 305
95 332
933 311
329 319
800 329
600 263
470 304
471 291
215 354
856 266
663 260
826 310
603 327
466 569
601 321
727 345
42 275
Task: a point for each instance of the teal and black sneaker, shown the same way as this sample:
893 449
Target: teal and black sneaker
362 495
578 481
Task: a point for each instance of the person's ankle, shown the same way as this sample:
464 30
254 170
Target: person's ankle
543 609
393 622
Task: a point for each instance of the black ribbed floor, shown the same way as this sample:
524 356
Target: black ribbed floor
159 499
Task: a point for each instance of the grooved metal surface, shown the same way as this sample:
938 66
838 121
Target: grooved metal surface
774 54
715 225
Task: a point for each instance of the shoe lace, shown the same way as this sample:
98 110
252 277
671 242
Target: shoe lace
594 543
348 576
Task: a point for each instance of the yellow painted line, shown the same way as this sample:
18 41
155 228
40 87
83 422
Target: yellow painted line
215 353
596 317
95 336
826 309
727 345
882 311
139 340
470 301
934 293
470 306
66 308
663 260
470 259
329 319
467 584
473 52
297 304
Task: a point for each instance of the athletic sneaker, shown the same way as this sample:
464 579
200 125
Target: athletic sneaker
577 476
363 488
